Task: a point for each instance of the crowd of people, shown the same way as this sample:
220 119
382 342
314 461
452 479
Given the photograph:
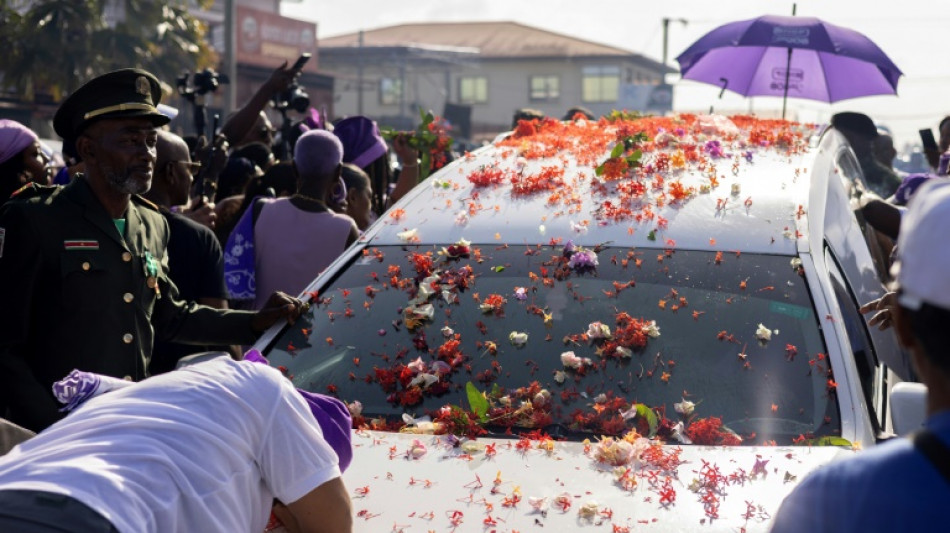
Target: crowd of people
154 247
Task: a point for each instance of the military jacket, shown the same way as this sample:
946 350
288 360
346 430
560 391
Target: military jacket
74 293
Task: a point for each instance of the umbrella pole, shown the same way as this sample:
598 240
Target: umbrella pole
788 66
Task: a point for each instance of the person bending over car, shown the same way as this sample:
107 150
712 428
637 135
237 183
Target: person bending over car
205 448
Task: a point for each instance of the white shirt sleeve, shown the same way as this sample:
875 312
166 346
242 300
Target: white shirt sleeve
294 456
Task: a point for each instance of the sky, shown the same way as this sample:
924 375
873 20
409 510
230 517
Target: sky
909 32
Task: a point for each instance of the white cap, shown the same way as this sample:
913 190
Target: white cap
922 269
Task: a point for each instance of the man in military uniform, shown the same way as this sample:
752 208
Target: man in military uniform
84 268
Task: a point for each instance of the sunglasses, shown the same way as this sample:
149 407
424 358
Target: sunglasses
193 167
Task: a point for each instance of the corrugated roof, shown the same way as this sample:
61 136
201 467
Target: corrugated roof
493 39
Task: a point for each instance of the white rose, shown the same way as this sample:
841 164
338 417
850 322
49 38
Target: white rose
685 407
598 330
410 235
570 360
518 339
763 333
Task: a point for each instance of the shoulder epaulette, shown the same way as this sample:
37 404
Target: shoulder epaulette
32 189
146 202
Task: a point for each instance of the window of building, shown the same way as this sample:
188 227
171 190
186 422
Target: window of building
601 84
390 91
544 88
473 90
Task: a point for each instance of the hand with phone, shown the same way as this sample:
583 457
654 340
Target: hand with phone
283 76
931 150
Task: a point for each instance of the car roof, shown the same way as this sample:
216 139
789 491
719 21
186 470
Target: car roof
756 203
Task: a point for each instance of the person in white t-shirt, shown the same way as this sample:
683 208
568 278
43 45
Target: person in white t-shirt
209 447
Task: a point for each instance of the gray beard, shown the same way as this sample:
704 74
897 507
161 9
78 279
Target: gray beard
126 184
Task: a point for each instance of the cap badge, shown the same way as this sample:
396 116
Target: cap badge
143 87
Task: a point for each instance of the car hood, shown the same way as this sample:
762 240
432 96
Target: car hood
404 482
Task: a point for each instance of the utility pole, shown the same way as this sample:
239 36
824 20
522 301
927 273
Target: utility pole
230 48
666 35
359 76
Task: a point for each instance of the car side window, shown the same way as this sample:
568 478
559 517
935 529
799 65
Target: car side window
849 169
870 371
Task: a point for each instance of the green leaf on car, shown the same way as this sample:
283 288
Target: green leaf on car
477 401
649 416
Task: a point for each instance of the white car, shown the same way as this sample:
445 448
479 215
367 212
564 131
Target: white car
636 324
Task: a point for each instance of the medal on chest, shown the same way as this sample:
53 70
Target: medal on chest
150 265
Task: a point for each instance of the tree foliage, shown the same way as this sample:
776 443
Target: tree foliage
54 46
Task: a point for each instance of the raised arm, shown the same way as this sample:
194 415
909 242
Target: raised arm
237 127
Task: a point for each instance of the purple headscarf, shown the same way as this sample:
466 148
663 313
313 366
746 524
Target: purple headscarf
362 143
14 138
331 414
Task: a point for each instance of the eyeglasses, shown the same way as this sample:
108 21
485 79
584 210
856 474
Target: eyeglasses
193 167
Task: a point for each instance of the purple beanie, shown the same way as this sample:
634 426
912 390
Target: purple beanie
14 138
331 414
362 143
317 153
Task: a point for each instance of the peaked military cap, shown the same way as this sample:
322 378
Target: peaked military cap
129 92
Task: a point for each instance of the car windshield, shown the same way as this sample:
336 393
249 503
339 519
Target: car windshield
691 346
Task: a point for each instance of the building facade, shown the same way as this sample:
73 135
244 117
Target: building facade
483 72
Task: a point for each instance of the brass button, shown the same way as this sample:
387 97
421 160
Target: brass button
128 297
86 265
151 281
126 257
128 378
127 338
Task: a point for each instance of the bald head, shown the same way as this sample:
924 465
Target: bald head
170 147
172 181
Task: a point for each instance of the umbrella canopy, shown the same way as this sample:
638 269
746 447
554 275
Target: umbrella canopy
801 57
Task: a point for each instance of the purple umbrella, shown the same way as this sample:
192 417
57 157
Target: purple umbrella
801 57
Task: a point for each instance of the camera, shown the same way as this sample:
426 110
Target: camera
206 81
294 97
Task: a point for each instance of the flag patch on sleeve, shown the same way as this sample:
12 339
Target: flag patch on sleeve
81 245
